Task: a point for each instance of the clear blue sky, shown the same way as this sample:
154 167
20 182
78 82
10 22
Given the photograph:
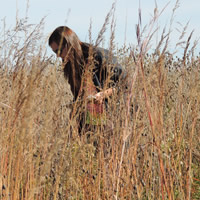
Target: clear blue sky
79 13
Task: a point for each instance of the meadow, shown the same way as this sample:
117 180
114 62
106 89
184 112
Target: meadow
153 149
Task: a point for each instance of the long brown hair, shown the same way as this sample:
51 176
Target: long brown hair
74 61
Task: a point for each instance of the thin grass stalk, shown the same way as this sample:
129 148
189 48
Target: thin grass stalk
126 131
189 175
106 22
186 48
143 50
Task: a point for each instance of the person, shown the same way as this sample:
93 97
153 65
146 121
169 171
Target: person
91 73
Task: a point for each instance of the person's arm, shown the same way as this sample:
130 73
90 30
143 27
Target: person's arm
101 74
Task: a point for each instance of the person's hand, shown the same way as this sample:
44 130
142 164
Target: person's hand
99 96
104 94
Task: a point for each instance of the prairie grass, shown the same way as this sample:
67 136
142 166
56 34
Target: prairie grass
153 150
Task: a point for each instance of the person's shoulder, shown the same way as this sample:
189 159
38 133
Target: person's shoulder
105 52
89 48
85 47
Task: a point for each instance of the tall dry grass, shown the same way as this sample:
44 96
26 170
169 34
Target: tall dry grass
153 150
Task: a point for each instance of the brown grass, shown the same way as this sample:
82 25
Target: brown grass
153 151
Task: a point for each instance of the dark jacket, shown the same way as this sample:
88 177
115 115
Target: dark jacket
103 68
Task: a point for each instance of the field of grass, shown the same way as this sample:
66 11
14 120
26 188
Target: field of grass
152 151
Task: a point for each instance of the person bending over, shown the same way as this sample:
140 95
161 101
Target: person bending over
92 73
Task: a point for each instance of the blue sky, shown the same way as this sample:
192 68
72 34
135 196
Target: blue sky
77 14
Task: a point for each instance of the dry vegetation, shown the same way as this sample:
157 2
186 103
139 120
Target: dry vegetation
153 151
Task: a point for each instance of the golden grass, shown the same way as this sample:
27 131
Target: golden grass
153 151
